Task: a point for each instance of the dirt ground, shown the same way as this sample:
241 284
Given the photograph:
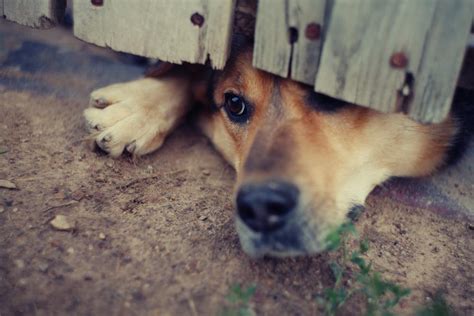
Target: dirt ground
156 236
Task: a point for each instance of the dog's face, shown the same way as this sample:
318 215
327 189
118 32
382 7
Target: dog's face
303 161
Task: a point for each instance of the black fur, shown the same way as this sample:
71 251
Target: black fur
324 103
463 113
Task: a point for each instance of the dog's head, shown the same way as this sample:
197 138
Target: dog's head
304 160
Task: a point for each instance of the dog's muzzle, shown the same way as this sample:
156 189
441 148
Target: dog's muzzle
266 207
270 222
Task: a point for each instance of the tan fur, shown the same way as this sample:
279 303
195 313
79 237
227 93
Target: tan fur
137 116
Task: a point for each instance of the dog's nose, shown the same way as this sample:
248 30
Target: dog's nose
265 207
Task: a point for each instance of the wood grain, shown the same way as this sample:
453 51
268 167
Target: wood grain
159 28
274 51
440 66
306 14
362 37
34 13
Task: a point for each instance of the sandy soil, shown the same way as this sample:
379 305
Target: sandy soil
156 236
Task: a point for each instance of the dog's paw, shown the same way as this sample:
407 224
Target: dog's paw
136 116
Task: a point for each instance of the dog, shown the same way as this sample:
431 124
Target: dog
303 160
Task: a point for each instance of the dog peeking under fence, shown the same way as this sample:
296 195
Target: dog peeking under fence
304 161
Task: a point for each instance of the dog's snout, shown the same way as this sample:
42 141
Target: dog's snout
266 207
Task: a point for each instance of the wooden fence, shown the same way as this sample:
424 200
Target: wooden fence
389 55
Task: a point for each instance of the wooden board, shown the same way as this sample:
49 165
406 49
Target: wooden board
364 35
282 46
440 66
34 13
159 28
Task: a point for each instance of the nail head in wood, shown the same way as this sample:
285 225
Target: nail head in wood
197 19
399 60
313 31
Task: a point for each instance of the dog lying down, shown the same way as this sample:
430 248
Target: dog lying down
303 160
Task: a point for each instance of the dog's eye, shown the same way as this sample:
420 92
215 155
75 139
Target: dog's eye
236 108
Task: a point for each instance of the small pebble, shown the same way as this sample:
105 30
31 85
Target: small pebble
70 250
202 218
2 210
62 222
20 264
15 209
6 184
206 172
102 236
43 267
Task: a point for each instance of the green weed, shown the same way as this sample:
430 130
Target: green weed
437 307
380 295
353 276
239 301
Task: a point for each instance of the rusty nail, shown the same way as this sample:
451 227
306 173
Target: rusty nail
97 3
197 19
313 31
399 60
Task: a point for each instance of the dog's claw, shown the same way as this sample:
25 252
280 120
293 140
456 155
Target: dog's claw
102 142
131 147
98 127
99 103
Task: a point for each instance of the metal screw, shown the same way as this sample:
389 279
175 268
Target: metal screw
197 19
399 60
97 3
313 31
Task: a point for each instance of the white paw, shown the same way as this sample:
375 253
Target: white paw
136 116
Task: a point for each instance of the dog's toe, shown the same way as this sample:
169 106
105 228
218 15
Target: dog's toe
134 116
99 102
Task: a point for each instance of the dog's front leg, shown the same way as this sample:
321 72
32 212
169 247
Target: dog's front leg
137 116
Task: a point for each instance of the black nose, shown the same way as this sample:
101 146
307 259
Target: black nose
265 207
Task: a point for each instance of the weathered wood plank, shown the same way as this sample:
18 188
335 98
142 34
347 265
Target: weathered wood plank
441 63
307 16
159 28
361 38
34 13
364 36
272 49
281 44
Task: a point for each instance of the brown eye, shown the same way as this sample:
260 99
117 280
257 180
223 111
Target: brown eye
236 108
